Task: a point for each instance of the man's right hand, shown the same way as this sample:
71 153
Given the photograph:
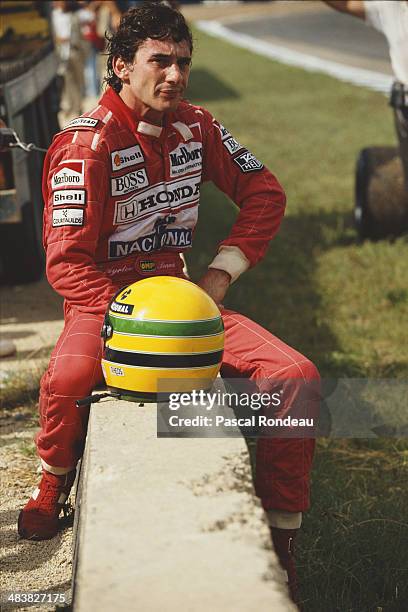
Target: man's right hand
216 283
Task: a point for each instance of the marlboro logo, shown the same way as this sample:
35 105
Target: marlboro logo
69 172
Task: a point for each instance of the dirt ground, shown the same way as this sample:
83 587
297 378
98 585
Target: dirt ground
31 318
43 567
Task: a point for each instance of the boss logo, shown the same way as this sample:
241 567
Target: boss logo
126 157
120 185
231 145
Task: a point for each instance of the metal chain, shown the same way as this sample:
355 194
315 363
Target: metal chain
26 147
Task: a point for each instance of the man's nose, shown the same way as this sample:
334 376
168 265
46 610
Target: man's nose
174 74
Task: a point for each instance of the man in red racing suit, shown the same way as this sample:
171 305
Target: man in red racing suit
121 187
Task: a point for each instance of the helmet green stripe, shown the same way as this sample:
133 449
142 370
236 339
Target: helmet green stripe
167 328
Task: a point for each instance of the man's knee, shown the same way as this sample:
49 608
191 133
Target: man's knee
310 372
300 370
72 376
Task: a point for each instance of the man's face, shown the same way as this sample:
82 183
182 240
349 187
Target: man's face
159 75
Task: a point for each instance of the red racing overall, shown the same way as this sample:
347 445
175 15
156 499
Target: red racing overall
120 192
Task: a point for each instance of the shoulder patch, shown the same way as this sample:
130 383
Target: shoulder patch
69 172
248 162
232 145
223 131
85 122
64 197
67 216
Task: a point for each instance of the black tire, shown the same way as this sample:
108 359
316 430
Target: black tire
22 252
381 202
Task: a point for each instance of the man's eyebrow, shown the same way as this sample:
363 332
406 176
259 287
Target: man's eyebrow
168 55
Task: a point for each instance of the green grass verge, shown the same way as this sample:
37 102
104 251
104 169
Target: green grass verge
353 548
341 302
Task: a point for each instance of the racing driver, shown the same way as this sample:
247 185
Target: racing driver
121 185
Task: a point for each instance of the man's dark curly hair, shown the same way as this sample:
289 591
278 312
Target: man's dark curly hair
150 20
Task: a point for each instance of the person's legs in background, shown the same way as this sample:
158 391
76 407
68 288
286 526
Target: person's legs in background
401 126
92 82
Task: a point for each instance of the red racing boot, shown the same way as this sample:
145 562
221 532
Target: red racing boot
38 520
283 541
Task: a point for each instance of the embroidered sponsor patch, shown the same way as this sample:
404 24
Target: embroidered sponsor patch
248 162
82 122
67 216
69 172
147 266
169 237
137 179
223 131
69 196
187 157
122 308
161 196
126 157
232 145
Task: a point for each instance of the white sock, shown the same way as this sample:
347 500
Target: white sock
57 471
284 519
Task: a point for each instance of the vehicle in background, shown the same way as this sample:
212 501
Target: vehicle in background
29 103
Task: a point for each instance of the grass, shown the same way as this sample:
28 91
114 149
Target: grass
341 302
353 549
309 129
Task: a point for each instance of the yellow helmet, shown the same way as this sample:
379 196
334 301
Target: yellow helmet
162 334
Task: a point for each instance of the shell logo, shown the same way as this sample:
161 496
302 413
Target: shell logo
116 159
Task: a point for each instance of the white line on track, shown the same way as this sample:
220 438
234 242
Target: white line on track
371 79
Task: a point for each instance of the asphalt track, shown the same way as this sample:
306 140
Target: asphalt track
307 34
315 29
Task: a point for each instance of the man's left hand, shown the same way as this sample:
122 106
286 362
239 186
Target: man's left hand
215 283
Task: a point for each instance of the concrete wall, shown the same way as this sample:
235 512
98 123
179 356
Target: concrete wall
169 524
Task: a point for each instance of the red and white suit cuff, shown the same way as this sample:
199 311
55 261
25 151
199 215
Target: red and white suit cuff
232 260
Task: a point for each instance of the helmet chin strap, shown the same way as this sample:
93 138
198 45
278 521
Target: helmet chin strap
96 397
